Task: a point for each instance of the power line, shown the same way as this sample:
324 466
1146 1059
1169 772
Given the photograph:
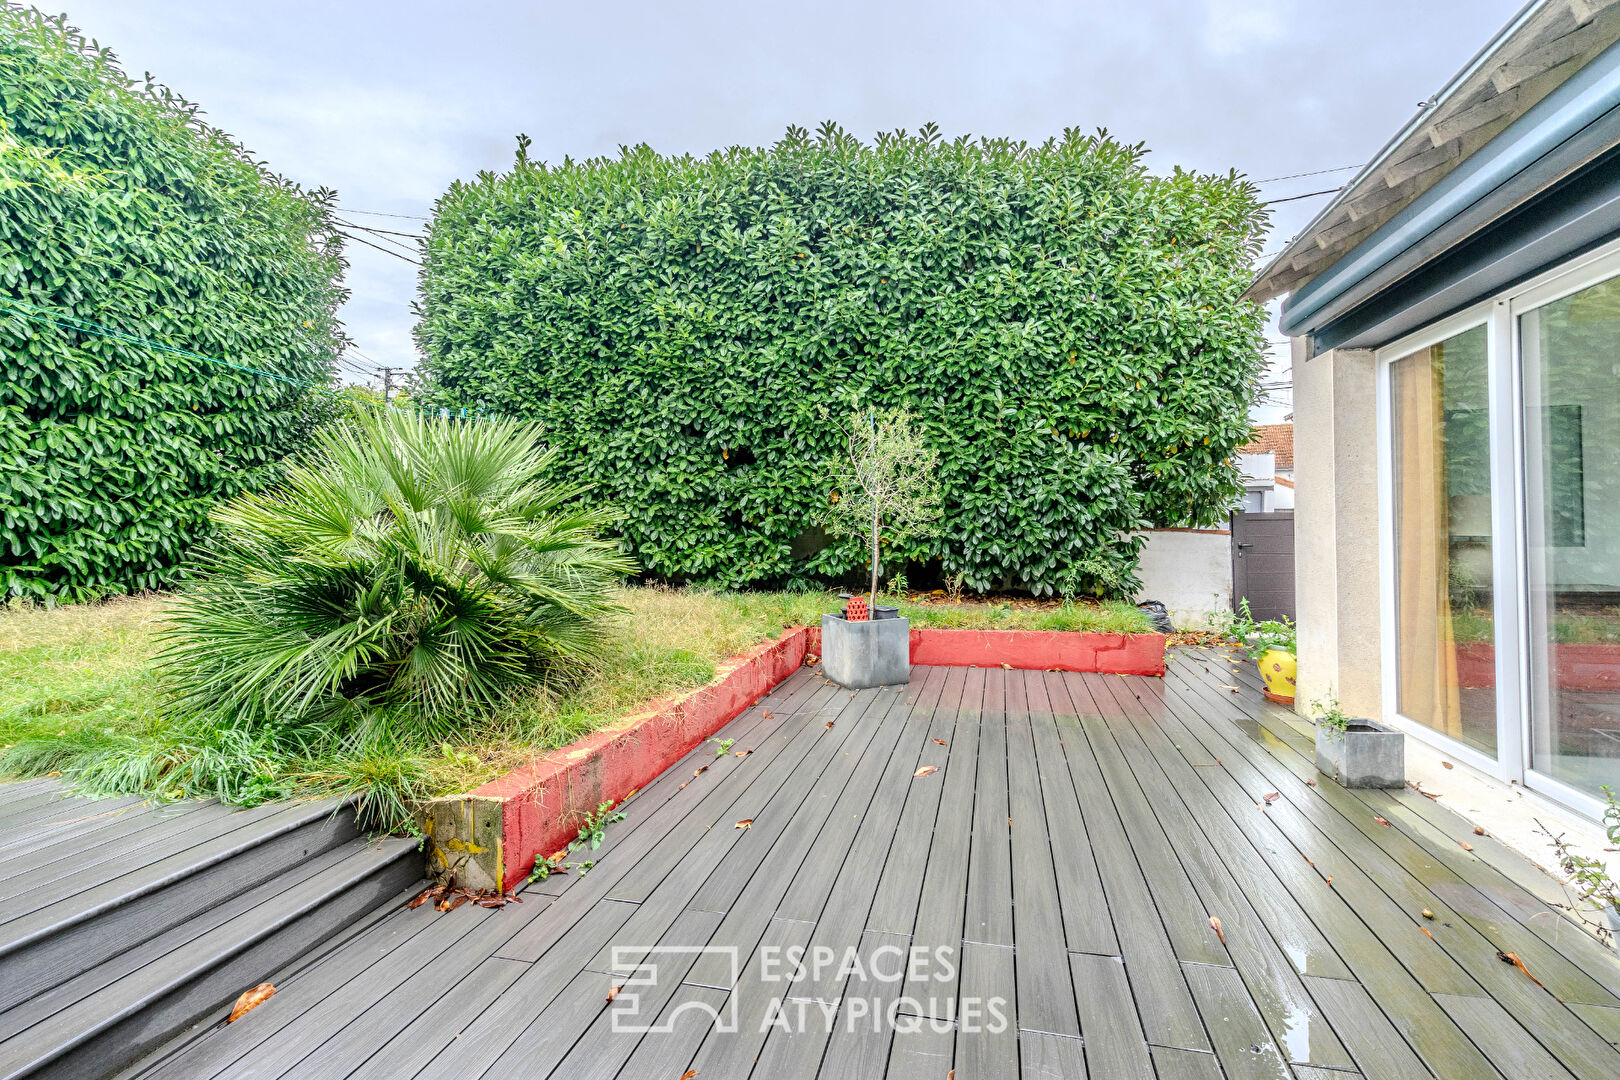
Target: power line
1298 175
379 247
379 213
411 248
380 232
1307 195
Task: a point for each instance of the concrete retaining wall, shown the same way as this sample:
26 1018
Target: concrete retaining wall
1189 571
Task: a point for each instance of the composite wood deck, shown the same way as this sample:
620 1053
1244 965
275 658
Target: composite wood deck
1102 876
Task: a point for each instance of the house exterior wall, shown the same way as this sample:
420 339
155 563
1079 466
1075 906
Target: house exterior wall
1337 591
1189 571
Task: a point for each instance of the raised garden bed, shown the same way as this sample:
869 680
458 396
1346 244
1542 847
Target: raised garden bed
491 836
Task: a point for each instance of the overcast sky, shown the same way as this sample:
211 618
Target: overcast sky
390 102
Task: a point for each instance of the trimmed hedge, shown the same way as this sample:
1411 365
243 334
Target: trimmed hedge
1067 328
120 207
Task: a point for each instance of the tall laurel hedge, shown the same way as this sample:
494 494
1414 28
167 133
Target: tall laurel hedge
121 209
1066 326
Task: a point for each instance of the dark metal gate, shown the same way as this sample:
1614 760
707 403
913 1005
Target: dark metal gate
1263 563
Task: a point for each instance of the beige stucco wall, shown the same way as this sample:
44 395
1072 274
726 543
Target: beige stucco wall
1336 529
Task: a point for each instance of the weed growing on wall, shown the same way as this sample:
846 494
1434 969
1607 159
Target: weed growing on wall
1066 329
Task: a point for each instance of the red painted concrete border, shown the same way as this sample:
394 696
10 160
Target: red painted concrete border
543 801
1041 650
495 833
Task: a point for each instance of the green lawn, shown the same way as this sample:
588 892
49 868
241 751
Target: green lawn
77 695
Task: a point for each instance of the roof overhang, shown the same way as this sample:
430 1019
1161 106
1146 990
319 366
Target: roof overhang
1537 55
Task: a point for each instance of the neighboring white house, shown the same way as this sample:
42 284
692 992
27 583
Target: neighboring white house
1267 464
1455 316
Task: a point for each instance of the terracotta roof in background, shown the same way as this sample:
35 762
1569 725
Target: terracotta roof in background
1275 438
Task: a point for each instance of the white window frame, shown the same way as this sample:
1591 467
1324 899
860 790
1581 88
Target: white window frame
1509 542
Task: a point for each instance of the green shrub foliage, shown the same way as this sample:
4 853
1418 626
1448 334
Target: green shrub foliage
1067 328
119 206
413 571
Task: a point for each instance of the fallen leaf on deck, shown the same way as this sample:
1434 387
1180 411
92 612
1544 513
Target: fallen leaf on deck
1381 820
1466 846
613 993
745 823
768 715
1425 929
700 770
1310 783
830 723
688 1074
250 999
1478 831
1448 765
1234 689
926 770
1330 879
1427 914
942 742
742 753
1271 796
1513 958
1215 925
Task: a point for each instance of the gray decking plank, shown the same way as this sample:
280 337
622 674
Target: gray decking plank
488 1037
859 1048
988 913
732 1054
841 919
1226 869
1509 1046
767 855
451 1011
923 1052
1406 882
900 879
1050 1057
1242 1043
1045 985
1604 1021
540 1046
1154 974
1172 1064
1380 1050
1303 858
667 838
1087 926
324 1020
1116 1048
1181 910
987 1037
600 1051
943 900
689 1017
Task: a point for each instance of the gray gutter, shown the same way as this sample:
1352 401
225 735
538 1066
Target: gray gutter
1376 162
1538 148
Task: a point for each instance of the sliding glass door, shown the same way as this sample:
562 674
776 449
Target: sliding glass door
1570 352
1444 641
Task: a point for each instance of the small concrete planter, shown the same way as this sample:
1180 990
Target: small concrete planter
1367 754
857 655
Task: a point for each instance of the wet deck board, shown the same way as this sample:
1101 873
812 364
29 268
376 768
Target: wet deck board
1064 852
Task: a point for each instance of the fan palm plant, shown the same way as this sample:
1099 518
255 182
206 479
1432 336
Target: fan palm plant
409 572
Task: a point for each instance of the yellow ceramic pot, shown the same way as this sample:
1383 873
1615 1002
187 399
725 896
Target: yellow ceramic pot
1278 669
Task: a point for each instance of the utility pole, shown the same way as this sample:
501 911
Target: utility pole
388 382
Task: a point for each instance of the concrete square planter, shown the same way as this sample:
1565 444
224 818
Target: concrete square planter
1367 754
857 655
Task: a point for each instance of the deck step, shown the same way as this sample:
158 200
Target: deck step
129 923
